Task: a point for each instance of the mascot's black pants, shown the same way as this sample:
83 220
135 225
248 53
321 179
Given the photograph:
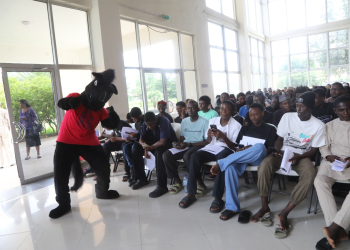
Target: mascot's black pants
66 155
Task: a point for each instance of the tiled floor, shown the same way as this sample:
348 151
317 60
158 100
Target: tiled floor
135 222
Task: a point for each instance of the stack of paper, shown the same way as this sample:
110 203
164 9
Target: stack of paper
126 131
213 149
151 162
175 150
339 165
286 164
247 140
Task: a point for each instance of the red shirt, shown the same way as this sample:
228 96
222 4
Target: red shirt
78 125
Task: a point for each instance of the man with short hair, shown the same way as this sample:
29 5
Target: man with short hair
337 148
181 111
337 89
192 138
303 134
268 116
205 111
244 110
323 111
132 149
157 136
240 100
275 105
162 105
286 107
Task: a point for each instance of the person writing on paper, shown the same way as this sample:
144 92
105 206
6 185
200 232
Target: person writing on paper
222 134
132 148
157 136
230 168
337 148
302 134
192 138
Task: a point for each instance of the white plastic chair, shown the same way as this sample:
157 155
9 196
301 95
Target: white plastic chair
177 128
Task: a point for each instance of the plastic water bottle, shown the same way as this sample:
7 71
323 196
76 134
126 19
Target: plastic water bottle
184 182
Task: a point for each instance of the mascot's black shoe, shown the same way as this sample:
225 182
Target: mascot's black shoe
111 194
59 211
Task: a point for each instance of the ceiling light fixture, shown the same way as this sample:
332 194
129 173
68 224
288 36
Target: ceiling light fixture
25 22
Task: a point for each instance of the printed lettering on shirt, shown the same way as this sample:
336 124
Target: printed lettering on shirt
86 119
299 142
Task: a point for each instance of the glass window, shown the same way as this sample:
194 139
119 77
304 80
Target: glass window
279 48
214 5
74 80
280 63
281 80
217 59
340 74
219 83
159 48
134 89
317 42
222 6
318 77
297 45
296 14
230 39
72 35
232 61
339 56
337 10
215 35
129 44
257 63
277 16
191 85
318 59
234 83
339 38
252 14
299 79
315 12
25 36
187 51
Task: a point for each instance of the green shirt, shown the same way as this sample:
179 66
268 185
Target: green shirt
208 115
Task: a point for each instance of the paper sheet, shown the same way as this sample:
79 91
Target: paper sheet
247 140
175 150
150 163
285 165
338 165
213 149
126 131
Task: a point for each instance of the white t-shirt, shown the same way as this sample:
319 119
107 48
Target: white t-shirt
231 130
299 136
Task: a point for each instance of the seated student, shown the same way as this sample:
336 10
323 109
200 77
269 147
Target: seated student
244 110
193 136
235 164
268 116
162 105
157 136
337 147
232 98
128 118
223 136
336 90
290 93
323 111
205 111
286 107
275 104
303 134
298 91
247 94
132 148
181 111
240 100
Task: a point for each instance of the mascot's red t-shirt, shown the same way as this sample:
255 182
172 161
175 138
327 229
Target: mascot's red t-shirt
78 125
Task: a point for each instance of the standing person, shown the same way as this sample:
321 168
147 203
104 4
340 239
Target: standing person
181 111
286 107
275 104
303 134
162 105
192 138
337 148
323 111
28 117
5 139
205 111
336 90
222 134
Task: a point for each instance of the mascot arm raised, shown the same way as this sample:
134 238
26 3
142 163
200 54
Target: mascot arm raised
112 121
69 102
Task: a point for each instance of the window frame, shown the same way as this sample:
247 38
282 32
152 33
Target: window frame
260 73
221 9
256 2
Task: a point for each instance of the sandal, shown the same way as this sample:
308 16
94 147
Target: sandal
27 158
38 156
187 202
176 188
200 191
280 233
126 177
266 220
218 204
228 214
244 217
323 244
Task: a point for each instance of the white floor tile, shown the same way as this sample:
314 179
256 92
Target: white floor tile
191 243
13 241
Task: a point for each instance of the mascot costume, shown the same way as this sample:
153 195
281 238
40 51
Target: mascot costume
77 137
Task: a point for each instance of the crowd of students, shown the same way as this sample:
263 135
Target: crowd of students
302 120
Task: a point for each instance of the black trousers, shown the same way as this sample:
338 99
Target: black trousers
109 146
170 160
66 155
133 152
197 160
219 185
161 171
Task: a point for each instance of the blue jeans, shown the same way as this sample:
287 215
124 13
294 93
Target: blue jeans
234 166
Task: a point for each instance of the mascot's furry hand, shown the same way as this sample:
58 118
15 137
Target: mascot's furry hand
110 109
74 102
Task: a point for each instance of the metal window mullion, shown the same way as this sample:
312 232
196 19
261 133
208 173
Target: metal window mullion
221 9
308 59
290 65
328 58
90 40
182 75
305 13
164 83
225 58
285 4
142 75
326 10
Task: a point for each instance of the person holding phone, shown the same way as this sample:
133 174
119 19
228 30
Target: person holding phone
230 168
337 148
192 138
221 137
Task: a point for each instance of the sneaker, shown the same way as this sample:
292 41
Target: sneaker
139 184
89 172
132 182
159 191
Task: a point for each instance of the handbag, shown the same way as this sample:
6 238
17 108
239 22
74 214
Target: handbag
37 128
